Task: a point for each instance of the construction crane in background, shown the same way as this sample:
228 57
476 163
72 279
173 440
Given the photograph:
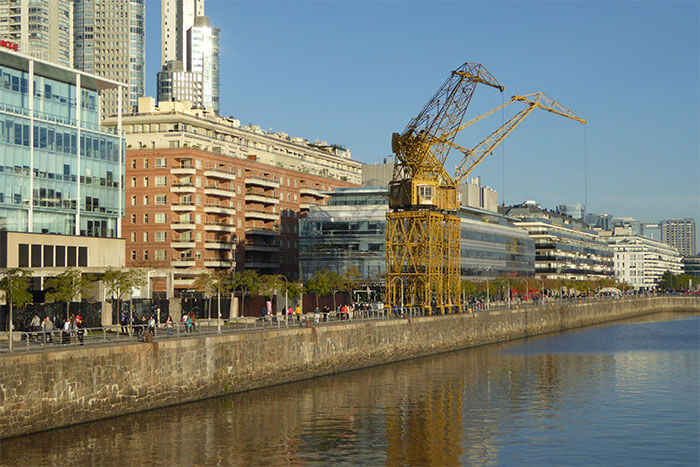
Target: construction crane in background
422 228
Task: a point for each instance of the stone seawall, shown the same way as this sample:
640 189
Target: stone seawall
44 390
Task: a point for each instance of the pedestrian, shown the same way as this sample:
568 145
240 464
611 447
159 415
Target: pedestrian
152 325
169 325
298 312
188 323
35 326
317 315
263 312
124 321
268 307
47 328
184 322
193 321
79 326
65 333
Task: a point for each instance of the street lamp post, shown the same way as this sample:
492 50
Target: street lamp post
286 287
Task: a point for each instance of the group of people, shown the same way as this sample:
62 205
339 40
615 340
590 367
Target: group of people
43 329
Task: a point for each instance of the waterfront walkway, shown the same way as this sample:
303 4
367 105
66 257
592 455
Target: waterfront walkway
43 342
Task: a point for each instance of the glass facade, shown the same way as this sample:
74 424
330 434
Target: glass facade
55 173
350 233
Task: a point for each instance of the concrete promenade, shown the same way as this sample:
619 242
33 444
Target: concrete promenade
44 390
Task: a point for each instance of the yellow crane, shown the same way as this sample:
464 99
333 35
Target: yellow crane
422 229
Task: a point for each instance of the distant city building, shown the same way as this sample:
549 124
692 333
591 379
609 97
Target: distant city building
42 29
640 261
680 234
691 265
472 193
110 42
565 248
350 234
60 174
204 194
576 211
600 221
189 55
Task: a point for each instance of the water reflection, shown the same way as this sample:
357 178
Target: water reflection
536 401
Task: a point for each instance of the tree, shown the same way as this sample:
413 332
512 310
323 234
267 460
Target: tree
214 284
324 282
245 281
67 287
118 282
14 286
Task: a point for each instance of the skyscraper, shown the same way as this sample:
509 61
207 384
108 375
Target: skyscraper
679 233
42 29
110 42
189 54
177 17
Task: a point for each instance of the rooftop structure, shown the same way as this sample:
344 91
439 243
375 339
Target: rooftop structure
173 125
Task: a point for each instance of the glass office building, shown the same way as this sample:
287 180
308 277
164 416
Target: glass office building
60 173
350 233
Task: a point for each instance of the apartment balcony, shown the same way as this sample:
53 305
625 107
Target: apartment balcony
214 227
183 263
259 197
219 246
305 206
267 231
262 247
183 171
183 188
182 226
218 191
262 264
220 174
180 245
214 209
264 215
219 263
306 191
260 181
183 207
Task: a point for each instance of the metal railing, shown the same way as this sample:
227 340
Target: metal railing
57 338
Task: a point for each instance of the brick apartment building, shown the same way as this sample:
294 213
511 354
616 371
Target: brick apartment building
202 194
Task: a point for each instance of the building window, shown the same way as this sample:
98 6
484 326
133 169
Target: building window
133 255
161 255
133 236
133 218
161 236
145 163
133 163
133 181
145 218
133 200
161 199
145 255
161 163
161 180
161 218
145 181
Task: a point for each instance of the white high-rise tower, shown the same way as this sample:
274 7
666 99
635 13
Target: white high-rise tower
177 17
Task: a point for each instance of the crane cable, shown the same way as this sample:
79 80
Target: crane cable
503 156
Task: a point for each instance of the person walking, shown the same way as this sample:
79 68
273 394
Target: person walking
317 315
298 312
169 325
47 328
65 333
80 327
34 327
152 325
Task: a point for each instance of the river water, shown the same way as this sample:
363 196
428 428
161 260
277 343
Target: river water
625 393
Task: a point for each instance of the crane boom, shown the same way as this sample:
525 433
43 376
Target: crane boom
474 156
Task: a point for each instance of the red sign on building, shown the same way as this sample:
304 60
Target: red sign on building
9 45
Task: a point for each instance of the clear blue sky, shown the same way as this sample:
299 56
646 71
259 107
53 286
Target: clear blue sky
353 72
